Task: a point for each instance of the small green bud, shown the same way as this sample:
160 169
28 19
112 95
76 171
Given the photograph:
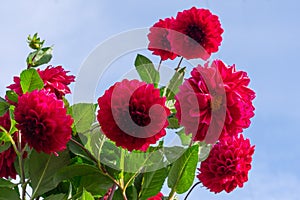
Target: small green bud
35 42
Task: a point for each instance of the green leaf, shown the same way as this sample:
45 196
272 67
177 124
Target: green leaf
4 106
4 146
39 57
6 183
12 96
131 193
152 183
13 122
42 167
56 197
204 151
72 171
75 149
146 70
86 195
96 184
84 116
185 139
182 172
173 153
8 193
30 80
172 87
173 122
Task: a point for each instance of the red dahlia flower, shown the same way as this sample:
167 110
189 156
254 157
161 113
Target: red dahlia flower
55 80
215 100
7 157
156 197
43 121
197 33
159 42
227 165
133 114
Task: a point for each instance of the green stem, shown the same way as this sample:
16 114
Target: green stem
122 167
159 65
85 150
19 151
172 194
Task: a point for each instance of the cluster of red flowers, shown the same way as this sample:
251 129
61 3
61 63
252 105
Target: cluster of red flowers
215 103
41 117
194 33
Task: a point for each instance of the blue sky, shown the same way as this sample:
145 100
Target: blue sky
261 37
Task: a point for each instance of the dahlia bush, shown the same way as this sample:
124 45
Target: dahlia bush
119 146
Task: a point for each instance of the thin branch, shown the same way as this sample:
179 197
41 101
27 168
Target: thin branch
191 190
178 66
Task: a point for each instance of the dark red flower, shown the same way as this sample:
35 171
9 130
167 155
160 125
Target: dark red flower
197 33
157 197
227 165
7 157
133 114
158 39
56 80
43 121
214 100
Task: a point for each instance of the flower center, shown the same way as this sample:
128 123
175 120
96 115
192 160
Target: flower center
196 33
216 103
139 115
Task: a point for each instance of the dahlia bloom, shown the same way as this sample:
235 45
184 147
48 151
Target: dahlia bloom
158 41
227 165
133 114
156 197
55 81
215 101
7 157
197 33
43 121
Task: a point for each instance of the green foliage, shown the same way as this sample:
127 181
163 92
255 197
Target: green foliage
30 80
56 197
173 122
146 70
4 106
39 57
172 87
182 172
84 116
12 96
151 183
204 151
4 146
42 168
185 139
86 195
8 193
6 183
